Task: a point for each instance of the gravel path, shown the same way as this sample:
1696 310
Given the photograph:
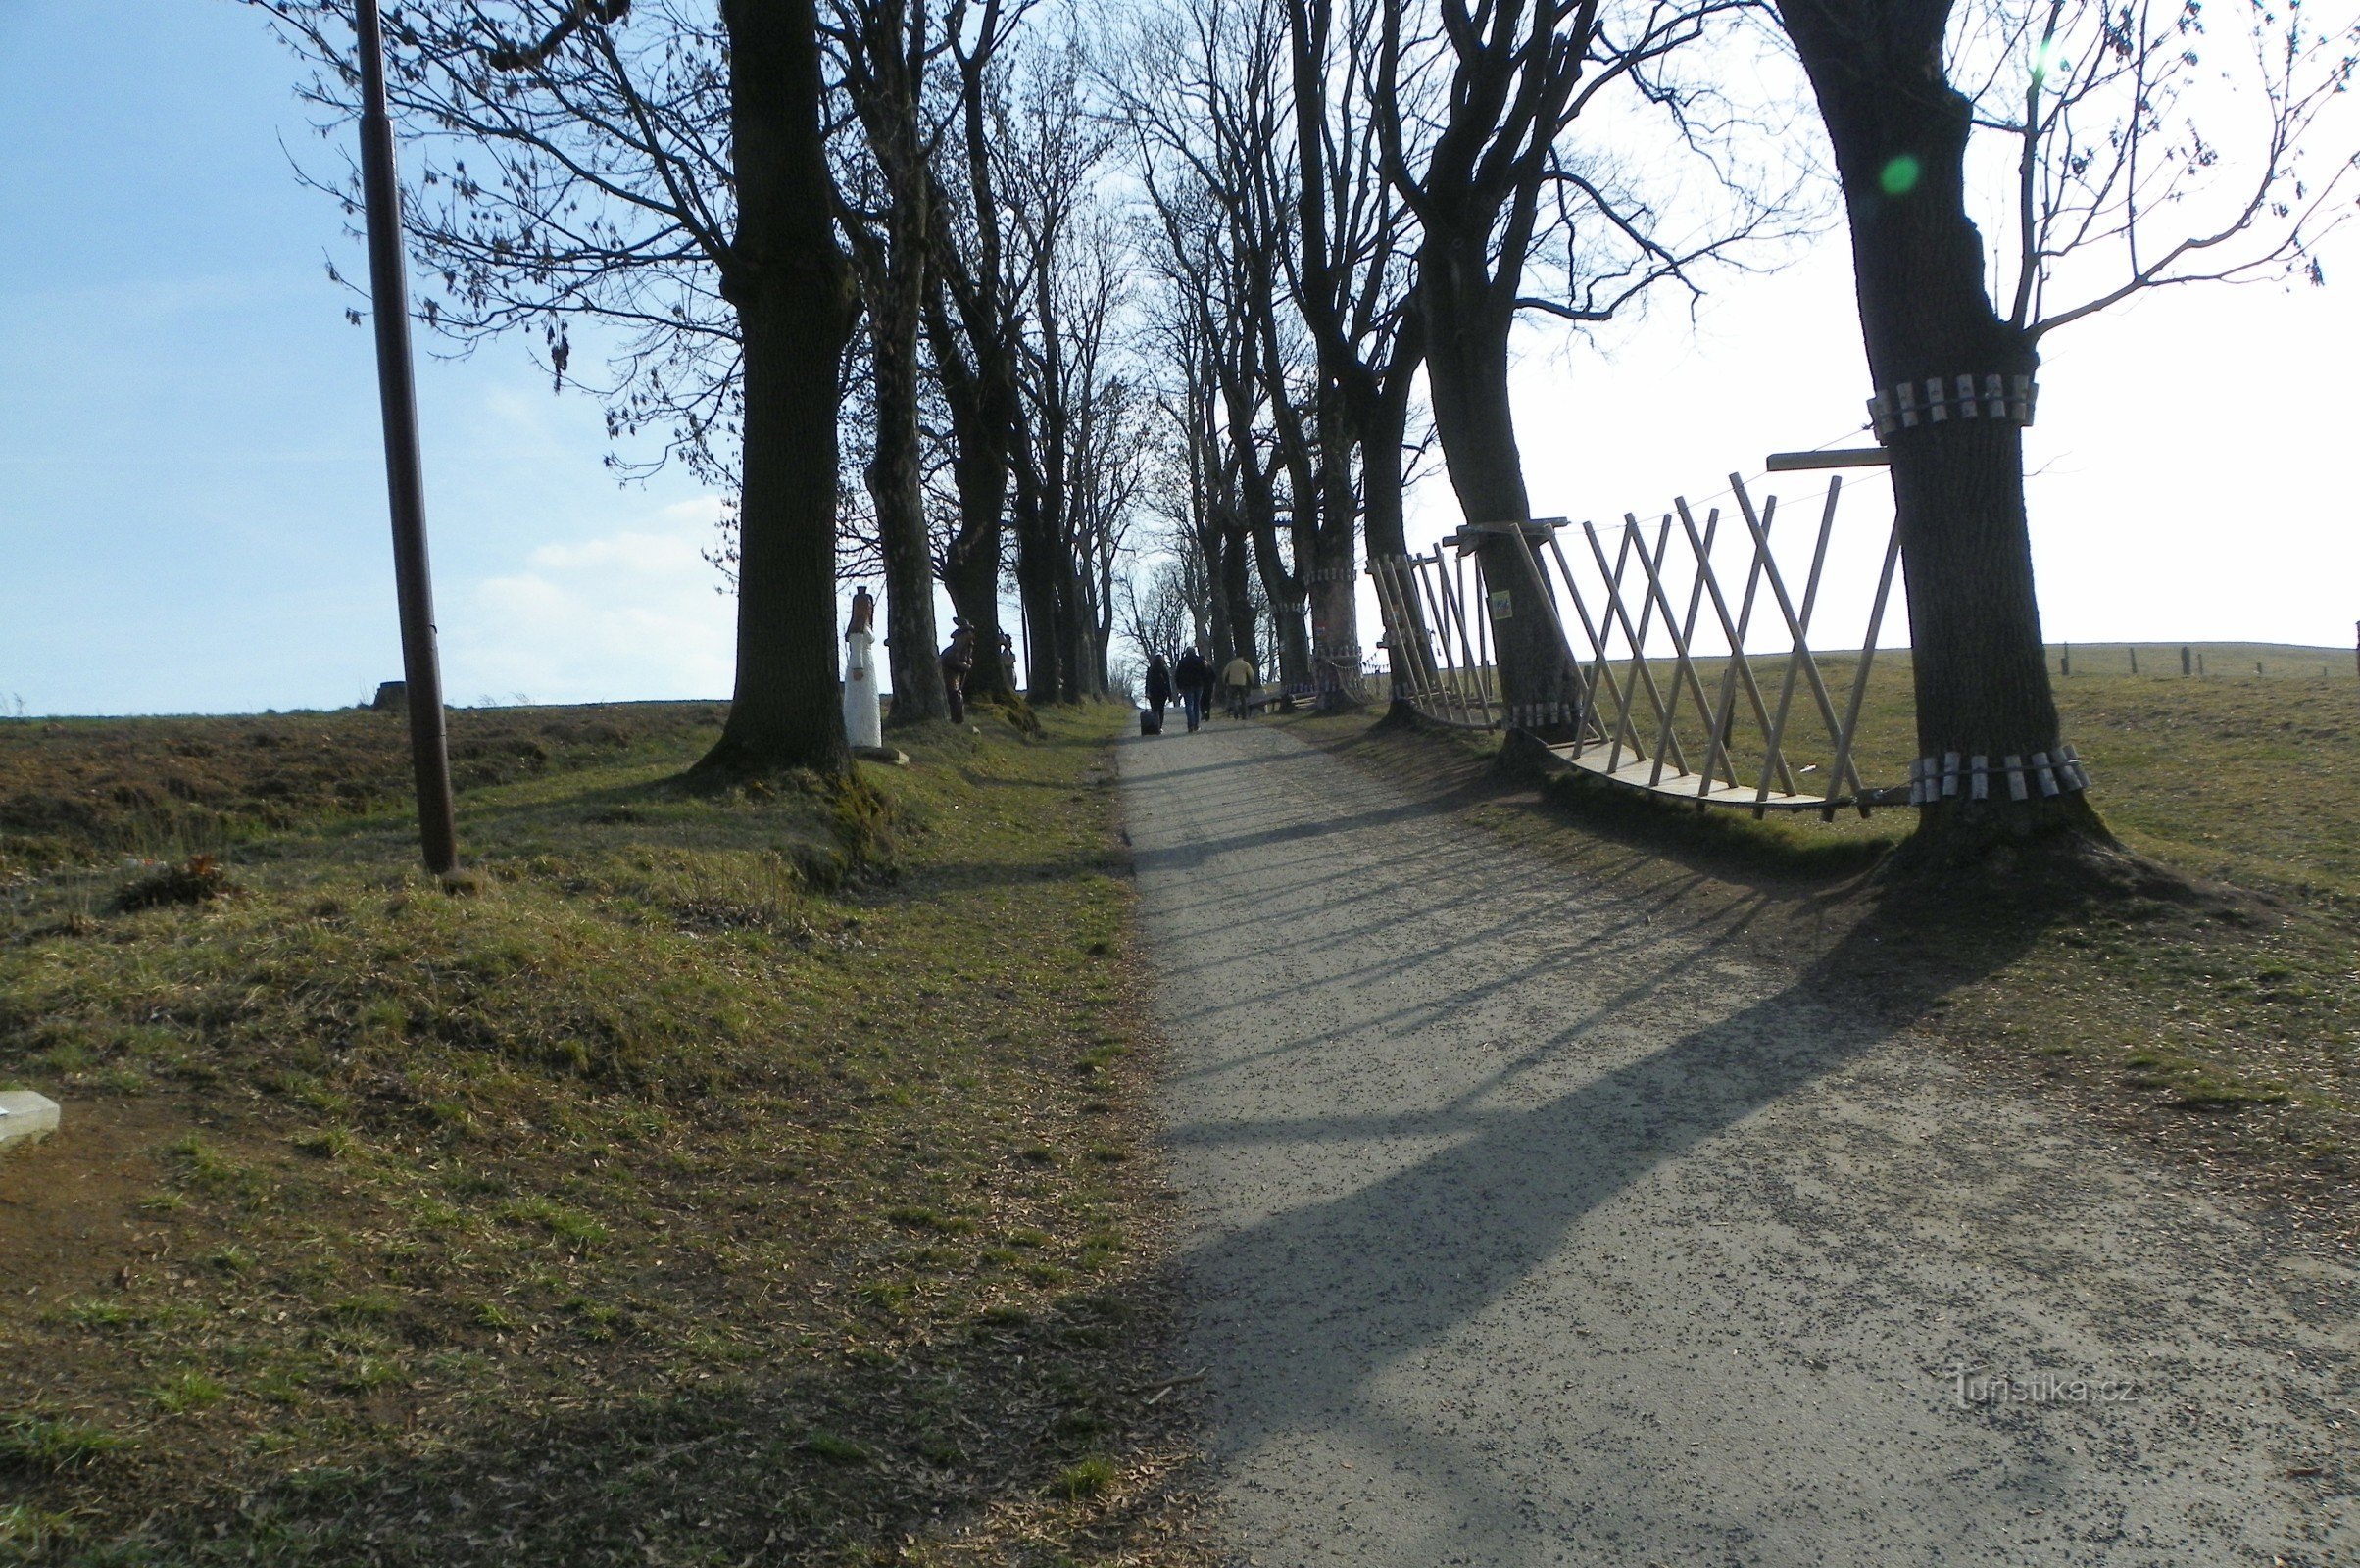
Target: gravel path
1531 1223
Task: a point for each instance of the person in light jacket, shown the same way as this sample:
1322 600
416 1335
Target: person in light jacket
1237 679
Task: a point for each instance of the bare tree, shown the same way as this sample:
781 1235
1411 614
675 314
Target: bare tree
1052 147
1476 106
1204 98
1350 275
667 181
974 314
2113 187
887 205
1157 611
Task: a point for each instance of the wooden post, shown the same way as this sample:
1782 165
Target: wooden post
1786 607
1483 627
2188 660
1413 567
1802 651
1642 677
2134 660
1450 689
1725 709
1760 535
404 473
1667 742
1466 642
1598 647
1868 655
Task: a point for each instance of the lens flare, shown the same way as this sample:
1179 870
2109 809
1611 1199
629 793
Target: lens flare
1899 177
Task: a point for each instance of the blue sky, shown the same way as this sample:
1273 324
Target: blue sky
192 507
192 513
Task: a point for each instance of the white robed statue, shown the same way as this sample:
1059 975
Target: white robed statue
861 694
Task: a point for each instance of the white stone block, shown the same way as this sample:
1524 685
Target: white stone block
25 1118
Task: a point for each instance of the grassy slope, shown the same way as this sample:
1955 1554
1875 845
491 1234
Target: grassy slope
735 1175
2224 1027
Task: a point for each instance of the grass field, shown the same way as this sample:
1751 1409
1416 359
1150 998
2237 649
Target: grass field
735 1177
2221 1021
2247 779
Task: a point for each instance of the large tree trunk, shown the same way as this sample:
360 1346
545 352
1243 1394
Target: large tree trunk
793 292
971 566
980 471
896 485
1334 588
1235 595
971 577
1382 437
1466 326
1900 134
1284 590
1074 681
1038 552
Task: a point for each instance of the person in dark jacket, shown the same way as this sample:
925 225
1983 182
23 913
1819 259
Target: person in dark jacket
1193 677
957 661
1159 686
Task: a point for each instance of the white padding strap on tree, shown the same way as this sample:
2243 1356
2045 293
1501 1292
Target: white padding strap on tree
1939 399
2017 778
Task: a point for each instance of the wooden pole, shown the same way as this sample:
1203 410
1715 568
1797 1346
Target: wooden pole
1760 536
1588 682
1725 709
1868 655
1786 607
1810 599
405 477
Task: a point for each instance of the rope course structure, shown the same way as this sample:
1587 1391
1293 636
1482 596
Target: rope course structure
1696 674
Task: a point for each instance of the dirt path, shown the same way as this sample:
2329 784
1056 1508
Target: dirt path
1531 1224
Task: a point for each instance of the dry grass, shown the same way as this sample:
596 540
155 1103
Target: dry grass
716 1183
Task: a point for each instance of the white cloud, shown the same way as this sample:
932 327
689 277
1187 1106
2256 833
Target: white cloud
627 614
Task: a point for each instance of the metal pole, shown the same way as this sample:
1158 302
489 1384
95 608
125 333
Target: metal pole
405 481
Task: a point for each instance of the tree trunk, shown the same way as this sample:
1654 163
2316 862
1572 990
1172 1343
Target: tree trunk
1077 681
793 291
1037 554
1237 595
1466 334
1334 588
895 483
1900 134
1382 438
971 577
1283 591
979 471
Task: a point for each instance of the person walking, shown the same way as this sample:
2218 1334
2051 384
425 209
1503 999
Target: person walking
1159 688
957 661
1192 678
1237 677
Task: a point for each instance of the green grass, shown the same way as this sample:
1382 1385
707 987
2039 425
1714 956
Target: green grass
41 1445
2247 779
598 1204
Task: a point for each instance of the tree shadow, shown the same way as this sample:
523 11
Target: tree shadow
1308 1311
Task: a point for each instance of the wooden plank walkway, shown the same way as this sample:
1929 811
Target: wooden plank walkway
1641 773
